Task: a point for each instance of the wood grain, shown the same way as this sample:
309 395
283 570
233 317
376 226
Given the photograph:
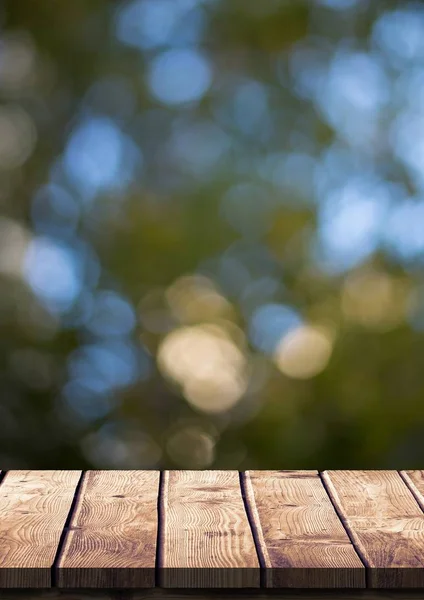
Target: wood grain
303 542
415 481
385 523
34 506
210 594
205 538
111 541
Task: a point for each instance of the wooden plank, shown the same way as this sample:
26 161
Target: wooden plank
415 481
210 594
385 523
111 542
205 536
34 506
302 540
290 474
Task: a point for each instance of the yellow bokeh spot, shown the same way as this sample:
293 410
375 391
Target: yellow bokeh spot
374 299
304 352
194 298
207 364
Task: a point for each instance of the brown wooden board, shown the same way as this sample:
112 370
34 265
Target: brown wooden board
214 530
210 594
385 523
302 540
111 541
34 506
205 538
415 481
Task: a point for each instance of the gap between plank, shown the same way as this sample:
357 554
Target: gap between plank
411 487
65 530
255 525
346 527
161 512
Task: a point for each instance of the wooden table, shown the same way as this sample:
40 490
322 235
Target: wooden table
121 530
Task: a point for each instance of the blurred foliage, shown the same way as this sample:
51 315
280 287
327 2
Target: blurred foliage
211 234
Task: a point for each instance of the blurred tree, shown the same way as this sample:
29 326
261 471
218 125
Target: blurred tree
211 234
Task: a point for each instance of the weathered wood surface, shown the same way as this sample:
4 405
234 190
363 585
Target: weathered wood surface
415 481
302 541
211 594
206 540
111 540
264 532
385 522
34 506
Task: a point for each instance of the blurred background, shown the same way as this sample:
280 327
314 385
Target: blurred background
212 234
